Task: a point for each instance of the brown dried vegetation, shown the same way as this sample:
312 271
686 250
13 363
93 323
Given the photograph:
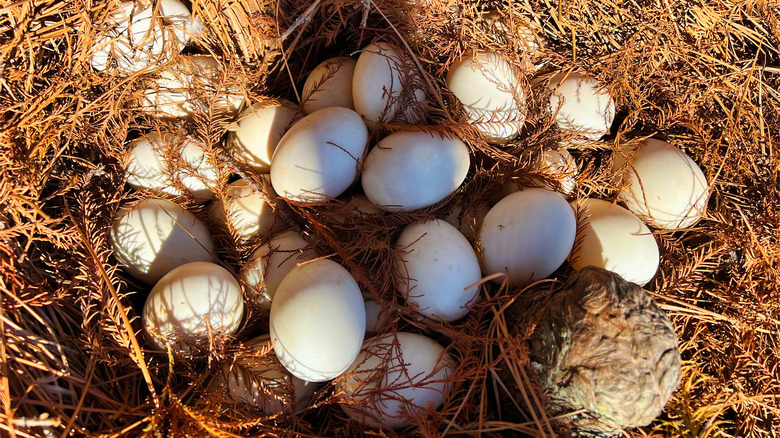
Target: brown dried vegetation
705 75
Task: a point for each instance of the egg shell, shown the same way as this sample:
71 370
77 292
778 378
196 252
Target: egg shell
470 221
558 163
191 303
411 170
436 270
262 382
155 236
489 89
271 262
141 39
258 130
150 168
581 105
318 321
394 379
329 84
320 156
193 84
527 235
377 83
613 238
666 188
359 206
377 318
246 210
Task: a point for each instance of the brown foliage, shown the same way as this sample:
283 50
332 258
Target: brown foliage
704 75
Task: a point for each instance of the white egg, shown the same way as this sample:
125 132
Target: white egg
411 170
262 382
329 84
155 236
394 379
666 188
558 163
320 156
195 84
381 92
527 235
436 270
245 209
359 206
143 36
271 262
258 130
167 163
191 304
491 94
318 321
614 239
470 221
376 317
581 105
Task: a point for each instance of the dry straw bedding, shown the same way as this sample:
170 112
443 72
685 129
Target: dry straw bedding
703 74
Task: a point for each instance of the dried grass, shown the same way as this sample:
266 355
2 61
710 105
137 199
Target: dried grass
705 75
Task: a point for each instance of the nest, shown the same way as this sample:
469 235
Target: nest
705 76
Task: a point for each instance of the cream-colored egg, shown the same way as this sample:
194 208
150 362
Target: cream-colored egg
191 304
195 84
395 379
377 317
380 89
436 270
271 262
143 36
262 382
491 94
558 163
470 221
581 105
527 235
155 236
170 162
411 170
329 84
258 131
245 209
614 239
666 188
320 156
359 206
318 320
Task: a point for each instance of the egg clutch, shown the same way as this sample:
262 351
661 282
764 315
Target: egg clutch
322 326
